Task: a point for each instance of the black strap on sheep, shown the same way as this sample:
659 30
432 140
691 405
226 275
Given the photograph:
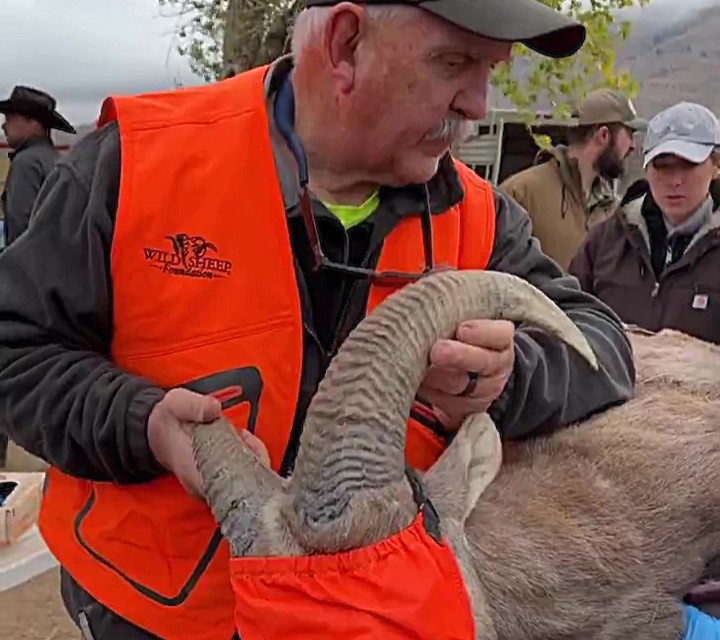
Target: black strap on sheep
431 519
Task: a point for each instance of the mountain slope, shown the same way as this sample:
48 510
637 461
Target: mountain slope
676 61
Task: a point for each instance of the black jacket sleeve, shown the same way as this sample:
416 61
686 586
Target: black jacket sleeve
60 396
551 385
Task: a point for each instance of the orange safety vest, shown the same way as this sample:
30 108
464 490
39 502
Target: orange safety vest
406 586
205 296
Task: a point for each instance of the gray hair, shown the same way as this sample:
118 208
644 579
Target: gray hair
310 23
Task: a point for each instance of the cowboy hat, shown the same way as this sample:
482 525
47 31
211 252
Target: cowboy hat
38 105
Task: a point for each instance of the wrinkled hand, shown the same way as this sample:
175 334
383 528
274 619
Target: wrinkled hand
169 439
483 346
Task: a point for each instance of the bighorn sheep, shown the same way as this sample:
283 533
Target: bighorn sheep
594 532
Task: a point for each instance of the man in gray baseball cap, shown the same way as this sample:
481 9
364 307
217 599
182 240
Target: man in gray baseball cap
687 130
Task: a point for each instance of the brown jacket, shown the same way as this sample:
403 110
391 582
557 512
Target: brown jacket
615 264
551 192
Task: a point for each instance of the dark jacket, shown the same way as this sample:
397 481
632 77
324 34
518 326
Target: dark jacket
30 164
622 262
63 399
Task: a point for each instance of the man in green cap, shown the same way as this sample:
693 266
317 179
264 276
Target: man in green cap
570 187
209 250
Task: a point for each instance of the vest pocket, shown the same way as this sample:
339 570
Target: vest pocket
161 543
162 563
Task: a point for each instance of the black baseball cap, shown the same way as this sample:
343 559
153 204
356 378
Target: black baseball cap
536 25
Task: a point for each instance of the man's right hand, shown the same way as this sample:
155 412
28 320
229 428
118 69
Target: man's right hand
168 438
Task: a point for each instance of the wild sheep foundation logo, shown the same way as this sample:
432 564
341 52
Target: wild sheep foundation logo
189 257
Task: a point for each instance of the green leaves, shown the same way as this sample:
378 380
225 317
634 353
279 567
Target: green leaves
532 81
561 84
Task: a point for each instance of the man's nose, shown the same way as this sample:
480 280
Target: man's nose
471 102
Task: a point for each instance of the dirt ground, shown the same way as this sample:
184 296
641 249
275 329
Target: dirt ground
34 611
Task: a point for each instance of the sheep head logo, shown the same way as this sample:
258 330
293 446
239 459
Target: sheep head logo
186 245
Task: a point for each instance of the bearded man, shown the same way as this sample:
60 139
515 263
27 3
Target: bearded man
569 188
209 249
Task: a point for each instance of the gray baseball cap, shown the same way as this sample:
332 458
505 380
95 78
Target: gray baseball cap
686 129
539 27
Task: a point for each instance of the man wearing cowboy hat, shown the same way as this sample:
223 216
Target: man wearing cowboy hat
29 116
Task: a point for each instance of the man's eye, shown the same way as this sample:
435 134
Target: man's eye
456 62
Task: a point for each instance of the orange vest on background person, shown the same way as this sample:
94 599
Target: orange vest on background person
205 296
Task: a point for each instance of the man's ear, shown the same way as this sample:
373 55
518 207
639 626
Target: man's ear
602 135
344 29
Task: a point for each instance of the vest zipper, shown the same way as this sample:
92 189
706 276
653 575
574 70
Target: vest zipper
324 357
346 307
293 443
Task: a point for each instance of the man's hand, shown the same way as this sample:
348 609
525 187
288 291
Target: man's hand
485 347
170 442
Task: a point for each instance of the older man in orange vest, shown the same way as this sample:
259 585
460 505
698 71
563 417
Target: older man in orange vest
209 249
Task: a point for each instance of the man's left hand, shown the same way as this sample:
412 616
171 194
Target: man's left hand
482 347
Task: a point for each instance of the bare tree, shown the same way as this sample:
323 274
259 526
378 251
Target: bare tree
224 37
256 32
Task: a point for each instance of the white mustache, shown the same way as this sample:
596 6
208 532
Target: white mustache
451 130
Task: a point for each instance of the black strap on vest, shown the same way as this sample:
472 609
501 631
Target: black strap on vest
431 518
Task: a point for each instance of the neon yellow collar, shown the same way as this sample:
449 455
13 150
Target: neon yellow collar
351 215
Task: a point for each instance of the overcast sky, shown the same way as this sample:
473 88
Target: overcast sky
82 50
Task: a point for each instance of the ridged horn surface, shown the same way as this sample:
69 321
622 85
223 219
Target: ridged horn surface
354 434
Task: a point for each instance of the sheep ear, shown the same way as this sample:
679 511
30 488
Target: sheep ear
460 476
